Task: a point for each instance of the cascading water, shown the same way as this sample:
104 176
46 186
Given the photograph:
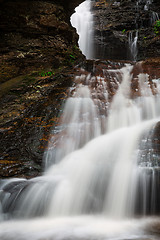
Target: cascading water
79 125
154 17
96 182
133 35
132 40
102 169
82 20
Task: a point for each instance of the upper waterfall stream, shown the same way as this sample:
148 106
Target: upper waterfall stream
100 180
82 20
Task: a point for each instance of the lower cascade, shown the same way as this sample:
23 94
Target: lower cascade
104 168
102 178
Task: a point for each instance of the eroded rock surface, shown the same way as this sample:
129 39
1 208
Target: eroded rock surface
36 35
118 21
38 50
28 112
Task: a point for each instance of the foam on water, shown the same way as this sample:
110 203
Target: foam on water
85 228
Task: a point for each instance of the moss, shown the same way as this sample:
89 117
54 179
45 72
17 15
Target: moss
72 56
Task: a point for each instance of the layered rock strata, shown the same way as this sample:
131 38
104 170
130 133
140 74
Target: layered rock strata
38 49
36 35
117 23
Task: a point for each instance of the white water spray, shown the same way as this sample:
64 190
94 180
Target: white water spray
100 178
80 123
82 20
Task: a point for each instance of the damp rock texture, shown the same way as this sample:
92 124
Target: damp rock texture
38 50
36 35
28 112
119 23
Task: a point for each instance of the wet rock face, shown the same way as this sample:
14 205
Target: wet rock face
28 113
35 35
36 39
31 107
115 21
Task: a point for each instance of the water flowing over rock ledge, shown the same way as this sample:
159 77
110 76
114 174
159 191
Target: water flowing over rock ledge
102 157
43 35
30 109
38 34
94 176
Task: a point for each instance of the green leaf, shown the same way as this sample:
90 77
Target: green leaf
72 56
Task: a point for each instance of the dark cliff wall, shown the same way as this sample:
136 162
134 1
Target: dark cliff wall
35 35
35 38
115 21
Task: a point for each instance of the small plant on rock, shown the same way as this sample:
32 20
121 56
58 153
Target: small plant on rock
44 74
156 27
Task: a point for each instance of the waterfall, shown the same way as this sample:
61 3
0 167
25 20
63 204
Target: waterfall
148 2
82 20
133 44
154 17
80 123
102 171
105 175
86 160
133 35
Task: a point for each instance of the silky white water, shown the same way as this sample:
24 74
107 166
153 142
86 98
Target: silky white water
133 38
101 169
86 227
82 20
80 123
91 191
